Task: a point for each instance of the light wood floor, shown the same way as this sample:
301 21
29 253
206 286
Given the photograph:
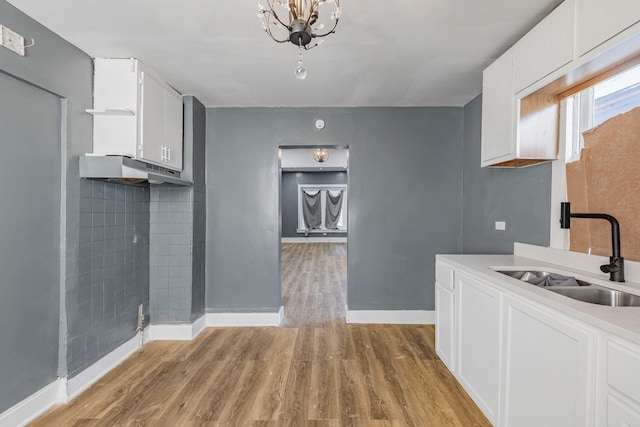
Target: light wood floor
314 371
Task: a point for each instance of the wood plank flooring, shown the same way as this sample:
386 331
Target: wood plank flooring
314 371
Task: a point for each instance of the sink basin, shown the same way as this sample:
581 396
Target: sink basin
527 275
599 295
586 292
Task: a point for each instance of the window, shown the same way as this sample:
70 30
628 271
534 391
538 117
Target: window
597 104
324 190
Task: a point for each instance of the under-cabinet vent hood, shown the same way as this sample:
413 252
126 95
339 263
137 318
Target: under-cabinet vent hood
128 171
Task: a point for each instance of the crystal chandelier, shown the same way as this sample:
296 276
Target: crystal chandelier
302 24
321 155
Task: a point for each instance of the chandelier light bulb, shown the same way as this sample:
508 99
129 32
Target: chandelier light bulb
298 22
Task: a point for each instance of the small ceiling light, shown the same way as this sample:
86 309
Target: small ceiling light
302 25
321 155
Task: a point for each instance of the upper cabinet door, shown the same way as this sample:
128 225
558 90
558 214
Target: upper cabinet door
498 111
599 20
547 47
173 115
152 145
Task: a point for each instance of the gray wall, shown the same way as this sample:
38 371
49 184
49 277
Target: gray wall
59 67
289 197
113 270
196 131
405 200
521 197
30 187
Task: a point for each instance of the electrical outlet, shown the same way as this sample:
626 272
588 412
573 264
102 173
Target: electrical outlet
11 40
501 225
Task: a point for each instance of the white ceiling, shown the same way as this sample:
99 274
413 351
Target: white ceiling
399 53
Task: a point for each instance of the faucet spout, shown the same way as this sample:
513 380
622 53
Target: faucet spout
615 268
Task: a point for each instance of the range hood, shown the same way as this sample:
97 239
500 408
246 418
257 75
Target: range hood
128 171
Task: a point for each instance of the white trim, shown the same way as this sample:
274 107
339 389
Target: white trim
392 317
175 332
246 319
328 239
32 407
93 373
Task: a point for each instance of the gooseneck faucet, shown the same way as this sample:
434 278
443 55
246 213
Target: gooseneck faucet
615 268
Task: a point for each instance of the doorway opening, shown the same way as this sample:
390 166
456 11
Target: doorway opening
314 229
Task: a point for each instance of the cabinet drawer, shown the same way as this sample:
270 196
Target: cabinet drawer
623 369
444 275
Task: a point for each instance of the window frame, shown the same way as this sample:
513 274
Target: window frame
342 224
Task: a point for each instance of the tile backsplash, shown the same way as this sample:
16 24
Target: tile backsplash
113 270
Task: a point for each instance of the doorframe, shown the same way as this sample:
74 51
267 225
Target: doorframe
279 201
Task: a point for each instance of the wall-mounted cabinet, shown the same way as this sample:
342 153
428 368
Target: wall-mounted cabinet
598 21
136 114
521 104
533 57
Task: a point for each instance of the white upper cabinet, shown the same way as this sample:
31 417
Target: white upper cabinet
498 111
136 114
599 20
544 49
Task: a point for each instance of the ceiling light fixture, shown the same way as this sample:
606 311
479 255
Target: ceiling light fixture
302 24
321 155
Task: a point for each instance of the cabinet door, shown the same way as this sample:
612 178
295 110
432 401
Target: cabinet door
445 326
549 369
173 130
152 120
478 337
498 112
620 414
599 20
532 57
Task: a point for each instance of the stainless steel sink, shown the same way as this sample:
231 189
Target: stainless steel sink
527 275
586 292
599 295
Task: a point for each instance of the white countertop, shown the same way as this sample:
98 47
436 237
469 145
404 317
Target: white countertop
620 321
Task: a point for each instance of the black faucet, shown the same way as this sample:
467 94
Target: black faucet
615 268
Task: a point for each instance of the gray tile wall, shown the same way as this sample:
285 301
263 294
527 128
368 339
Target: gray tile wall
171 226
113 271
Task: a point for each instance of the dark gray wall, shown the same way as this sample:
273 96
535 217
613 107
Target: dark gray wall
289 197
521 197
113 270
196 130
30 188
405 200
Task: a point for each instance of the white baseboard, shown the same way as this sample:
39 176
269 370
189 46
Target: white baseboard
82 381
246 319
175 332
392 317
330 239
32 407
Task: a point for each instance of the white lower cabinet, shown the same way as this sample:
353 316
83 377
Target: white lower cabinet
549 361
622 370
478 342
526 364
620 414
445 326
